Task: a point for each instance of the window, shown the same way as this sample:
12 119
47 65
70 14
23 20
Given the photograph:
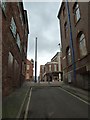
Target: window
76 12
18 41
55 67
21 18
18 4
49 67
25 49
82 44
10 63
27 67
68 56
13 27
3 5
64 12
65 28
27 76
10 58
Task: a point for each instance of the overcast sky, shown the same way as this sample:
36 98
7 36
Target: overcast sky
43 24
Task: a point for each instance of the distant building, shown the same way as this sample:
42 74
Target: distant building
14 45
51 72
74 24
29 70
42 70
58 58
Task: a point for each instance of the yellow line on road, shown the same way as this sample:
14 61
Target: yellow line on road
20 110
75 96
27 107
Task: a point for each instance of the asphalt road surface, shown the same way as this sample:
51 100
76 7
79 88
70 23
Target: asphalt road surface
54 102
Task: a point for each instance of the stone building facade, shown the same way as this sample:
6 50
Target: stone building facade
14 45
74 25
58 58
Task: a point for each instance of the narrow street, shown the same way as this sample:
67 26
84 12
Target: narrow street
45 59
55 102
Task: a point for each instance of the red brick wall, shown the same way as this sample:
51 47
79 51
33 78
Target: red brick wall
11 71
29 71
82 25
52 67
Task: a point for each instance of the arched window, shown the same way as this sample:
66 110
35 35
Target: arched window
68 52
82 44
76 12
65 28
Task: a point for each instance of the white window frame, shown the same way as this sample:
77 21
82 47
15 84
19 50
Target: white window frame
55 67
50 69
28 67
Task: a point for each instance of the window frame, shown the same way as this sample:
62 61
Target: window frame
13 27
50 67
76 11
64 11
82 45
28 66
18 42
69 56
65 28
55 67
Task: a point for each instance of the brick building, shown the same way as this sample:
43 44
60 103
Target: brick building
14 45
29 70
51 71
74 24
42 70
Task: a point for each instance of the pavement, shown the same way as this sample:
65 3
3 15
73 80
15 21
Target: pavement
83 94
13 104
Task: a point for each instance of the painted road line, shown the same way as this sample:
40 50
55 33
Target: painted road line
75 96
27 107
20 110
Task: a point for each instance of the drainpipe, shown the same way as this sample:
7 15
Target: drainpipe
71 42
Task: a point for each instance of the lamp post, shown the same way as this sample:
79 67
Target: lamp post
36 60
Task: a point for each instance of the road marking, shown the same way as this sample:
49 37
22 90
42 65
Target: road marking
20 110
75 96
27 107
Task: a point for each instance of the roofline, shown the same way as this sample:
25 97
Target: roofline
55 55
60 10
51 63
25 13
